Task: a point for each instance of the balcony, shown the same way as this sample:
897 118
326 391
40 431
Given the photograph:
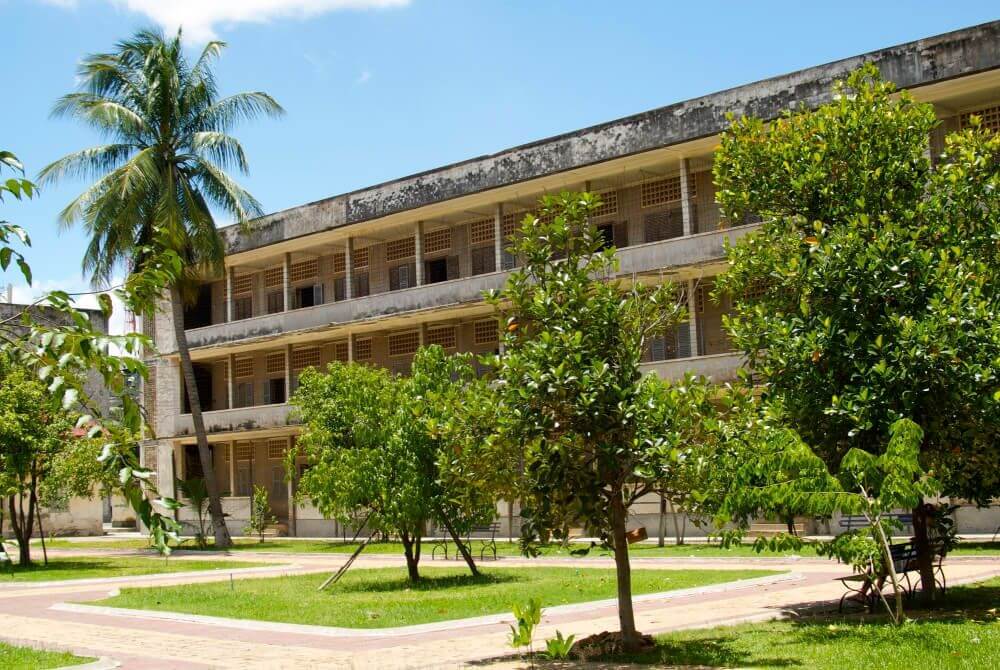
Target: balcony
672 253
717 367
241 419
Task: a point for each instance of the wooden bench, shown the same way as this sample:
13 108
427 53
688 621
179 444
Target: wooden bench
491 529
865 587
853 521
5 560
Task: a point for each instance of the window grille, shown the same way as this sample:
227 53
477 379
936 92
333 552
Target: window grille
699 300
243 395
275 363
340 352
276 448
609 204
340 262
484 259
399 249
244 367
401 344
274 277
243 451
437 240
653 193
485 332
360 257
664 225
510 223
989 118
242 307
444 336
304 270
755 291
275 302
242 284
305 358
363 349
481 232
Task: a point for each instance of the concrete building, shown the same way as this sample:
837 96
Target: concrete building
371 275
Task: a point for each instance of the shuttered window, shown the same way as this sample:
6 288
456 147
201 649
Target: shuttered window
402 276
484 260
361 288
401 344
275 302
485 332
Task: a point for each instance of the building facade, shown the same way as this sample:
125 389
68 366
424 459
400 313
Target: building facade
371 275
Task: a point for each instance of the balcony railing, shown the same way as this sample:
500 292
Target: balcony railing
717 367
672 253
257 417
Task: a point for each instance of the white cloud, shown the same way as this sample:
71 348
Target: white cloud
201 18
364 77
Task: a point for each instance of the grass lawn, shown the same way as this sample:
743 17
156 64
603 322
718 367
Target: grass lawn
61 568
504 548
25 658
964 632
380 598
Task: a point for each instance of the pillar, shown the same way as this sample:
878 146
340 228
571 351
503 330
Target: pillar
288 371
286 281
230 274
232 468
498 240
350 348
687 216
692 305
231 380
291 493
349 269
418 252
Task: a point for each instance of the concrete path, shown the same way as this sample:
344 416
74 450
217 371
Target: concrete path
44 616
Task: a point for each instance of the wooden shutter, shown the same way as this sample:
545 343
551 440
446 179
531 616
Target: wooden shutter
621 234
339 289
453 267
317 294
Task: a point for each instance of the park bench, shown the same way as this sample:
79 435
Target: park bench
5 560
865 587
850 522
484 531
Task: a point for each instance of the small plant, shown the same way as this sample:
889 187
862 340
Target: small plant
526 617
196 492
260 513
558 647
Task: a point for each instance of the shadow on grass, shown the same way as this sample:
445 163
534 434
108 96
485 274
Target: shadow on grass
793 643
429 582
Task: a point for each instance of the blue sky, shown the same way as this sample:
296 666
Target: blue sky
377 89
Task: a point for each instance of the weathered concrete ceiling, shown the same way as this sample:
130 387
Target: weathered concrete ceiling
911 65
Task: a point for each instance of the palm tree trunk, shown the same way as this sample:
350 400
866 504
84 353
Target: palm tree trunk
219 529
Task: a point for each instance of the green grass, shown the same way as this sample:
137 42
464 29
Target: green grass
25 658
379 598
62 568
964 632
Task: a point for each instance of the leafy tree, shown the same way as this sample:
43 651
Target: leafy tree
196 493
158 177
870 294
261 515
575 404
64 347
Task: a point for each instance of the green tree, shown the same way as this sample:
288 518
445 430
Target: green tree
261 515
575 404
870 294
157 179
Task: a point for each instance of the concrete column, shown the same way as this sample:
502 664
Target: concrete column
350 348
291 494
232 468
423 334
231 379
686 214
498 240
692 316
288 371
286 281
349 269
230 274
418 251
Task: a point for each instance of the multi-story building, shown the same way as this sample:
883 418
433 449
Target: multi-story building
370 275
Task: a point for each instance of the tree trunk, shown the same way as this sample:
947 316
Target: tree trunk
22 527
925 557
411 549
219 529
897 590
626 617
663 521
458 543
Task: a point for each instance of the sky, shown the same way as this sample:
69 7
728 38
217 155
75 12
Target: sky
379 89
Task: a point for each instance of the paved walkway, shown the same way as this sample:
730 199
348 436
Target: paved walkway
39 615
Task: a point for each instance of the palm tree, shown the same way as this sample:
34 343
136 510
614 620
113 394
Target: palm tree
158 178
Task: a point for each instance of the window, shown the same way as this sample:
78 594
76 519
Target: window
613 234
989 118
308 296
244 367
399 249
305 358
437 240
401 344
242 307
339 289
244 451
402 276
278 486
361 285
276 448
361 257
275 302
274 363
444 336
243 480
340 262
363 349
340 352
484 259
485 332
662 191
274 391
243 395
274 277
609 204
481 232
664 225
674 344
304 270
441 269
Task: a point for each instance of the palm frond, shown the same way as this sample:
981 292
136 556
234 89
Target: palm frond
223 149
225 113
221 190
87 163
